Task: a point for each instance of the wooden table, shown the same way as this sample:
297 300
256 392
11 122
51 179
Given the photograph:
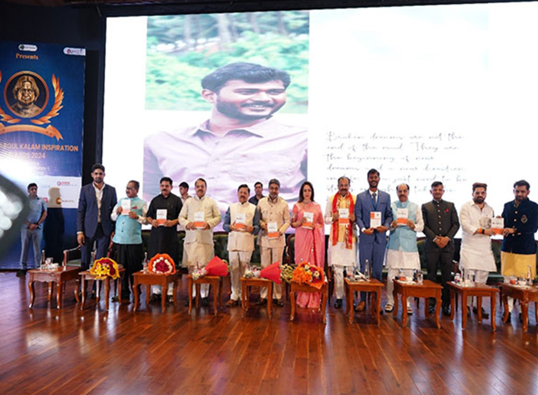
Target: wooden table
214 281
428 289
147 279
247 284
478 290
372 286
298 287
58 276
524 295
87 276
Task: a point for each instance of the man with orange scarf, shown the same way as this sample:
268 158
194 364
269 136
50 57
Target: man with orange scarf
340 214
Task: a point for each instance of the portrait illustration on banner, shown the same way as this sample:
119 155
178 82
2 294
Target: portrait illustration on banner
26 95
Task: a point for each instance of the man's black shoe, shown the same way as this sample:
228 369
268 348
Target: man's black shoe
262 302
446 310
170 299
21 273
485 314
520 318
338 304
509 319
205 302
431 309
187 302
155 298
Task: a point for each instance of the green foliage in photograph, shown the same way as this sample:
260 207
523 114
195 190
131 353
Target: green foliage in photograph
183 49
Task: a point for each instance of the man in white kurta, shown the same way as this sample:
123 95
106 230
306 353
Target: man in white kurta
199 216
274 221
342 252
402 251
476 256
242 222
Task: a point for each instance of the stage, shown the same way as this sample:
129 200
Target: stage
44 350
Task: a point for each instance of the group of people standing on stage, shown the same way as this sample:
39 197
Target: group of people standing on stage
356 223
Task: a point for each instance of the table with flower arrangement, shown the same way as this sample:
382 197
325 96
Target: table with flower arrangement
214 281
247 283
161 271
310 279
103 270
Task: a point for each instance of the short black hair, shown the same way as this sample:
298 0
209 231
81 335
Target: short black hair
243 186
522 183
168 179
248 72
32 184
480 185
274 181
98 166
258 183
136 184
184 185
201 179
373 171
403 183
344 178
437 183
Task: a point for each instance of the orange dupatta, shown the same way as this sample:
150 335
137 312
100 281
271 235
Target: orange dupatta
336 226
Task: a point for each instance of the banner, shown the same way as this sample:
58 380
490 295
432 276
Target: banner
41 126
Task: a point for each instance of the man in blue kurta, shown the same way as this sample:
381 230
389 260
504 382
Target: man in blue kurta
129 214
32 230
373 237
402 251
518 251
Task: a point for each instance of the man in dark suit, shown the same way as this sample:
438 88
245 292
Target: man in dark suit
94 225
373 238
441 224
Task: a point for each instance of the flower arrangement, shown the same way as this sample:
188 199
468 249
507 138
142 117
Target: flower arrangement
308 274
252 272
198 273
287 273
105 267
162 264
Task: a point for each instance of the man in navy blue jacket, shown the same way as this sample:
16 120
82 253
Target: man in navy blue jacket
373 236
94 225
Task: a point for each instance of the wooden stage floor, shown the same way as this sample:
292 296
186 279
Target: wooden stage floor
46 351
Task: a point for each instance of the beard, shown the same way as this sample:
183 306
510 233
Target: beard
232 110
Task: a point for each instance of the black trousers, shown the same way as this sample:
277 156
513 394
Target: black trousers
101 242
440 258
131 256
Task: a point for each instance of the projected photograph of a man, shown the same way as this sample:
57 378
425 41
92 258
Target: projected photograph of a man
242 136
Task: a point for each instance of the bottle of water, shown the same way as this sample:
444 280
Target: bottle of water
420 277
367 270
145 262
529 276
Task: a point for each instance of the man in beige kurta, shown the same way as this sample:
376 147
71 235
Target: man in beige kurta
274 221
199 216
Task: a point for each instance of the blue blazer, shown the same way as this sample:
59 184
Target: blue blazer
87 215
363 208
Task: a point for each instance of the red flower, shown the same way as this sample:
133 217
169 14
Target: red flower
446 210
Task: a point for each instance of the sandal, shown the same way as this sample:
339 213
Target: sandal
389 307
409 310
